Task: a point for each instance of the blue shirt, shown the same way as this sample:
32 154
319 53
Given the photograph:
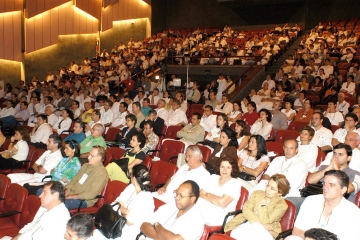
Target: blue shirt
145 111
79 137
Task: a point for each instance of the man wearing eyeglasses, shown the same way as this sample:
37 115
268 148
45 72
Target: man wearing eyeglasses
330 210
88 182
94 139
179 220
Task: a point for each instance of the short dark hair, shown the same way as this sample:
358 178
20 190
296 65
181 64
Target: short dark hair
137 104
198 115
56 139
82 224
352 115
132 117
210 107
340 175
44 117
320 234
152 112
268 114
231 135
56 186
82 124
76 102
320 114
124 104
150 123
140 138
195 189
97 112
347 148
252 104
147 100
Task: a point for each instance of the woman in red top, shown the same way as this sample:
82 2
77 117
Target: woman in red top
251 116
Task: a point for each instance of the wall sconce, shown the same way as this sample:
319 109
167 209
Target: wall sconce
132 22
157 77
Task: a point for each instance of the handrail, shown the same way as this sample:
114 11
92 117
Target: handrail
240 77
255 58
150 67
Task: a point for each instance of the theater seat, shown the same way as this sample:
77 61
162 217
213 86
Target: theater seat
170 149
4 185
276 147
282 135
113 153
172 131
218 236
161 172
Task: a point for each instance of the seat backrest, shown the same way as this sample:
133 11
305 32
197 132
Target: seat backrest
30 157
320 157
113 153
37 154
334 128
282 135
14 201
171 148
276 147
5 145
147 162
111 134
357 200
205 234
296 125
4 185
101 201
113 190
218 236
31 206
206 152
272 135
158 203
288 220
171 131
244 195
161 172
197 106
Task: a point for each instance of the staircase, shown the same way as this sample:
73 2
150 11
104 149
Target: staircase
276 65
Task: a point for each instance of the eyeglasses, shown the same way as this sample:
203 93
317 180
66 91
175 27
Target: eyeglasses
175 194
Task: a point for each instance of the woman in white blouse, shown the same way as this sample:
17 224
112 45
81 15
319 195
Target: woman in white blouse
307 151
18 150
289 111
136 203
263 125
242 134
348 86
221 193
64 122
236 114
253 160
212 139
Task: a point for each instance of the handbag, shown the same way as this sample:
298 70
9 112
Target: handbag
246 176
311 189
109 222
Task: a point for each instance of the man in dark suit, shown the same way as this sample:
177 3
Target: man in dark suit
158 122
127 132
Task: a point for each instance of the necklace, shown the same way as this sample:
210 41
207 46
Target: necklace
282 171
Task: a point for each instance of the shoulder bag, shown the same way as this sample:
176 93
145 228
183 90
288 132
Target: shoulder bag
109 222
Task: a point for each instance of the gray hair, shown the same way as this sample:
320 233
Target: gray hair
100 127
196 151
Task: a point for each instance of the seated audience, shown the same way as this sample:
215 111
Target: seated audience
107 114
351 120
180 220
320 210
120 169
78 135
289 111
335 117
192 133
225 106
323 136
158 122
80 227
236 113
192 170
251 115
253 160
221 192
18 117
308 151
261 215
176 116
88 182
305 114
151 138
212 139
342 105
263 125
17 151
95 139
208 120
126 133
64 122
242 134
41 132
319 234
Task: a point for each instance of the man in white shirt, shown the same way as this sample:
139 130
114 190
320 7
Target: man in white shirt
192 170
330 210
115 105
351 120
41 132
178 219
161 111
106 113
95 116
225 106
328 69
52 119
119 119
43 166
334 116
8 110
271 83
291 166
323 136
342 106
208 120
176 116
50 219
80 227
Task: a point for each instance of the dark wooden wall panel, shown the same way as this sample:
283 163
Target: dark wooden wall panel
35 7
2 37
92 7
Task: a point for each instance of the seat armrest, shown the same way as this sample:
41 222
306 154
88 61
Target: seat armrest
22 162
9 214
47 176
139 235
227 216
171 158
152 151
158 186
284 234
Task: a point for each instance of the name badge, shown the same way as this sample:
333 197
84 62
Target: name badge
88 144
83 179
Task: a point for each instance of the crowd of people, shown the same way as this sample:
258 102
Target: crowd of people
68 116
